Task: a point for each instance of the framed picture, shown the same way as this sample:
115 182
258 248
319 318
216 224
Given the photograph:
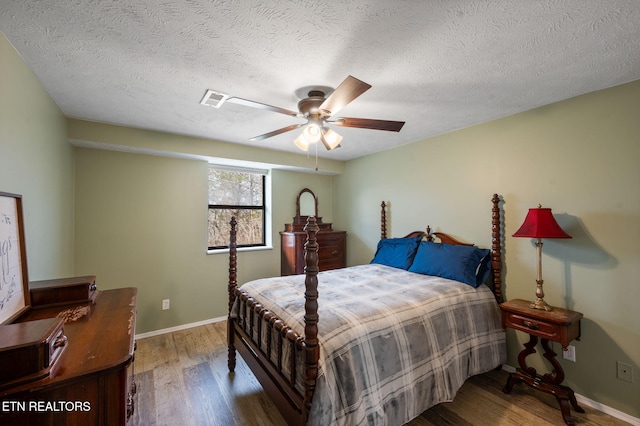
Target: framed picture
14 282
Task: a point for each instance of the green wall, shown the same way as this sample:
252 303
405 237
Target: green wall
579 157
37 162
141 220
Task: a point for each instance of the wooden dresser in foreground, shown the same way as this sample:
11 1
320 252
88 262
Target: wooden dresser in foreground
93 384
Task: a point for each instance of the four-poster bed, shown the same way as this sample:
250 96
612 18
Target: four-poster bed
393 340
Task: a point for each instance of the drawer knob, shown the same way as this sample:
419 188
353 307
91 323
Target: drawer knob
334 253
531 325
60 342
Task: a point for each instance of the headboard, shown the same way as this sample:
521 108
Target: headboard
496 242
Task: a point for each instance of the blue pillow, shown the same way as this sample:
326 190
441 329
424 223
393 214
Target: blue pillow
396 252
460 263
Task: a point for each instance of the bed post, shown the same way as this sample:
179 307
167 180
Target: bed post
233 283
496 247
383 221
311 351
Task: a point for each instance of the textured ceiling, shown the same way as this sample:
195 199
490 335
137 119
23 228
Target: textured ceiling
438 65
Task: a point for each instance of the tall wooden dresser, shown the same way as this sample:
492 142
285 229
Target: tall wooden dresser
93 384
332 249
332 245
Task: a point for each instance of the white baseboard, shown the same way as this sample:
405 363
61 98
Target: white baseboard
508 368
180 327
595 404
607 410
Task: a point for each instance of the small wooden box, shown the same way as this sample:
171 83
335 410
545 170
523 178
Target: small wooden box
62 291
30 350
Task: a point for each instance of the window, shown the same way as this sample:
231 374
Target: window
240 193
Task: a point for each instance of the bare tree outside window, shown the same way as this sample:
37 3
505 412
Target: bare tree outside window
239 194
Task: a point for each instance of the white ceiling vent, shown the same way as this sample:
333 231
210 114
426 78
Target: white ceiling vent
214 99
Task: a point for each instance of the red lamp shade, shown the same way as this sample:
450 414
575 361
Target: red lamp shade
540 223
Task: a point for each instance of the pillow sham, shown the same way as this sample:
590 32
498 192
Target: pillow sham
396 252
467 264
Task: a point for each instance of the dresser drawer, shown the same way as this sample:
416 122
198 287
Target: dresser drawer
330 253
331 246
545 330
62 291
558 325
30 351
327 264
331 250
328 239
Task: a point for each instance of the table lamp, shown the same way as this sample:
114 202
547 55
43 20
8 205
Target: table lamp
539 224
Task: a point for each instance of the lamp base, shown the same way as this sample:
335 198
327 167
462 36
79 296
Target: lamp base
540 304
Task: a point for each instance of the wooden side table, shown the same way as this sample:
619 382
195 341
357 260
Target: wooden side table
558 325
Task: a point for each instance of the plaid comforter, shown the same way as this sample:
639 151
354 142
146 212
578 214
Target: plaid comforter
392 343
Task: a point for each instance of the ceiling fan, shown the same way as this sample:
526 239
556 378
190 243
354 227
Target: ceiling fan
318 109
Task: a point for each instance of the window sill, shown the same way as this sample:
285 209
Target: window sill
240 249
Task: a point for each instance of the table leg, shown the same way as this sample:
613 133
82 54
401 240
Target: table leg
549 383
524 371
557 377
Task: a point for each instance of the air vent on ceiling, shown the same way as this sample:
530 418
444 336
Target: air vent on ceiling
214 99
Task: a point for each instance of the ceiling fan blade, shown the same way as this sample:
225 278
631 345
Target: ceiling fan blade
277 132
347 91
367 123
260 105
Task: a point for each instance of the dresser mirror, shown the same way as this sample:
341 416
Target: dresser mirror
306 204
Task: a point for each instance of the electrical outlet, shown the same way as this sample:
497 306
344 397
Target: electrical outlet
625 371
569 353
165 304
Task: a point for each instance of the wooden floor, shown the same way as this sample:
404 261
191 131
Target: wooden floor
183 379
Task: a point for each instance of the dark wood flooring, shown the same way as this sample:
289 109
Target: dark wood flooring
183 380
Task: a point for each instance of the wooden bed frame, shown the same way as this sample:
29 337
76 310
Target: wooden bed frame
293 404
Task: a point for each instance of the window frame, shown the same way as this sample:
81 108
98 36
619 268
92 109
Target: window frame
265 208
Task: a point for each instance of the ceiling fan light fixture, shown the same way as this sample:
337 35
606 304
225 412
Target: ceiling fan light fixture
330 139
302 143
312 133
